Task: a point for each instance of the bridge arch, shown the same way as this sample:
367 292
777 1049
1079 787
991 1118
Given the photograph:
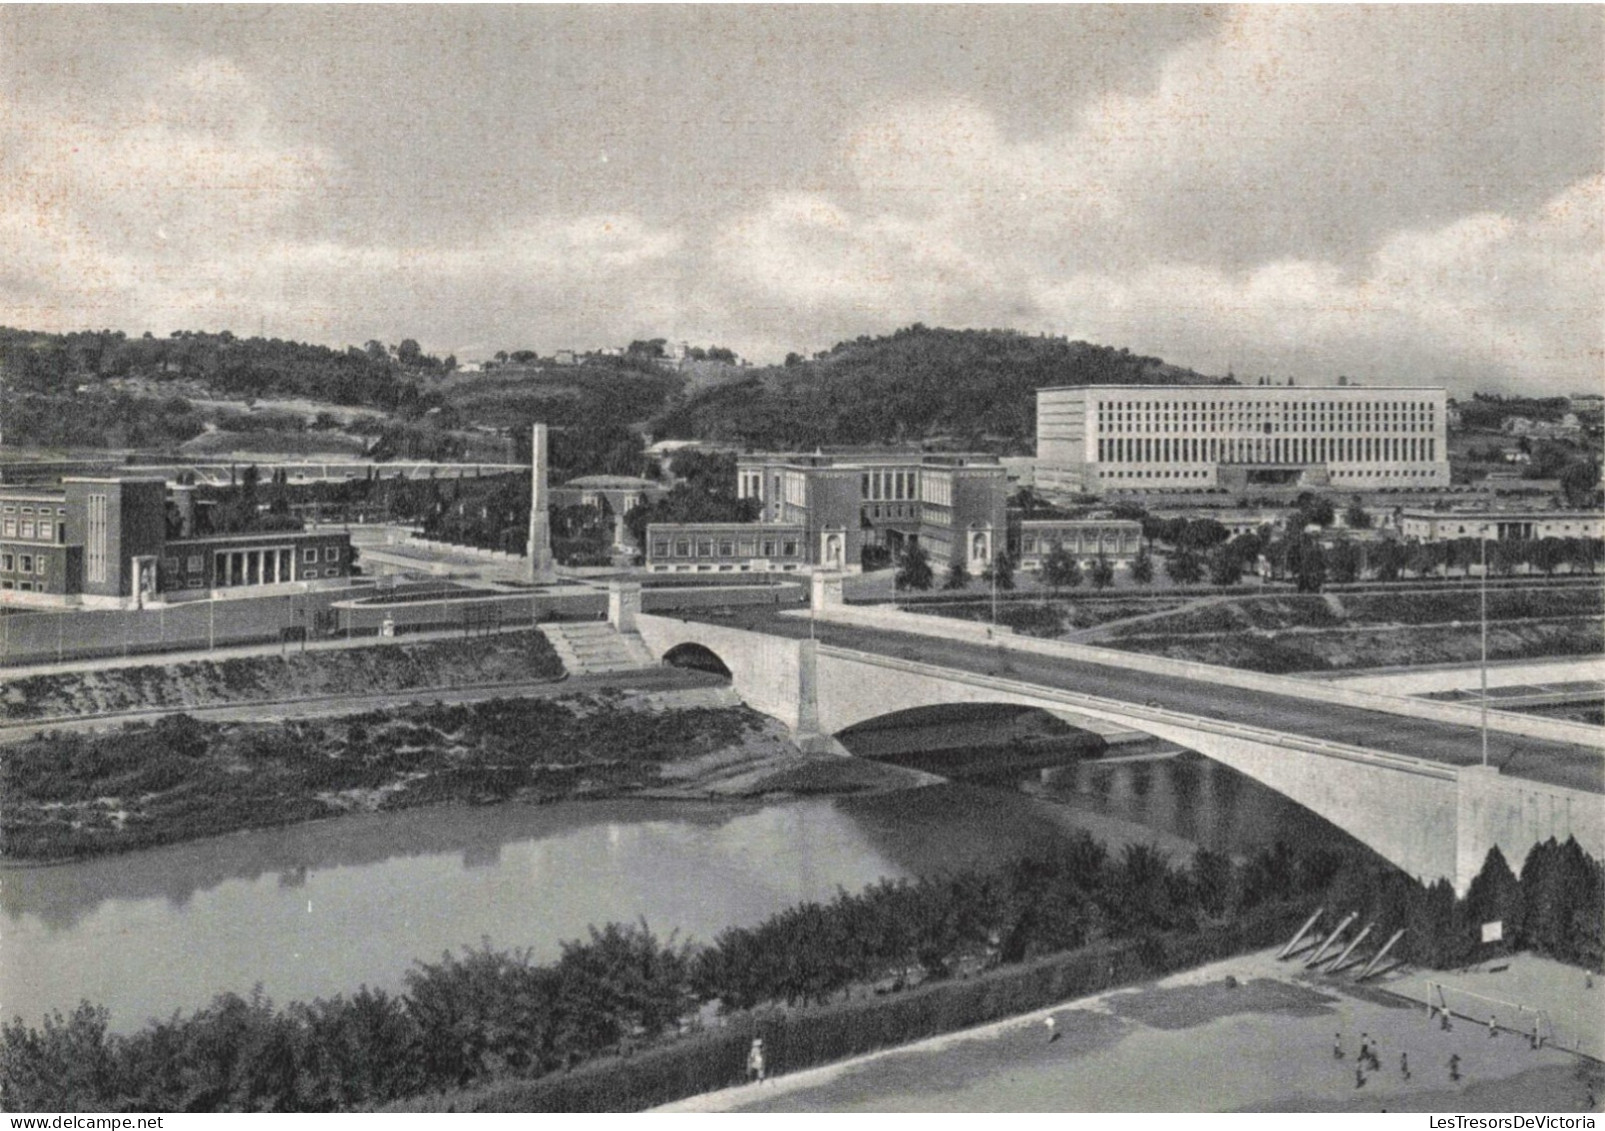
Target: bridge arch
698 657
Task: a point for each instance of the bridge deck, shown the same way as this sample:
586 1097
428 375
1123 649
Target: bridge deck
1554 763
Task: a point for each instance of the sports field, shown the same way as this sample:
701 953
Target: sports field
1245 1034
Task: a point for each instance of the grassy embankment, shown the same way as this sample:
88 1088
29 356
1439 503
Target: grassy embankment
502 658
1336 632
70 795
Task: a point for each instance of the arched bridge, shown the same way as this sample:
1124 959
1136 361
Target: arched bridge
1407 787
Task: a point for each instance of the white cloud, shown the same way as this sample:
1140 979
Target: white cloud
1279 200
189 209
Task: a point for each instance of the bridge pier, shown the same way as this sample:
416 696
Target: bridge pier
624 605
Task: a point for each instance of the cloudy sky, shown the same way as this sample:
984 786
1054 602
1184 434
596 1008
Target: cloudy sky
1404 194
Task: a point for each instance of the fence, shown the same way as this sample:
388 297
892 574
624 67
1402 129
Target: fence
55 637
78 634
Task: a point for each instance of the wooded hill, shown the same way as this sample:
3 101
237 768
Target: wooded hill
969 389
958 388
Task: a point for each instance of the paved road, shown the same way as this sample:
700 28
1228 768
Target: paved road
1556 763
644 679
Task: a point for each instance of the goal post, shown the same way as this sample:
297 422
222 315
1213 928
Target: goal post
1484 1009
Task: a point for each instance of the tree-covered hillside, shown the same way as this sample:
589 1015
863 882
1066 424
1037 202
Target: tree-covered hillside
374 376
973 387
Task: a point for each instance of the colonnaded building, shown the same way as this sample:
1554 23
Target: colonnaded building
1114 439
118 542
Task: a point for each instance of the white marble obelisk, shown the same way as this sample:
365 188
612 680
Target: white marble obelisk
540 529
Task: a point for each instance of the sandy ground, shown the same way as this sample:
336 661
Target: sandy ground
1194 1042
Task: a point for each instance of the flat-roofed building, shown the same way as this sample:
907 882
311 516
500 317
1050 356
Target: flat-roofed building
1505 526
1112 439
104 541
1116 540
725 547
952 505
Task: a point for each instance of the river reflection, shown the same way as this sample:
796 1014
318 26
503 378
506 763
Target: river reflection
320 909
1191 800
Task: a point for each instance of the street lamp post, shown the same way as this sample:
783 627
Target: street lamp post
1484 590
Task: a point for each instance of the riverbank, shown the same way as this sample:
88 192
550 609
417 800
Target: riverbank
67 796
1243 1034
97 689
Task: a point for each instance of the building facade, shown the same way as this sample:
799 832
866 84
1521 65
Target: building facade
951 505
105 541
725 547
1113 439
1116 540
1503 526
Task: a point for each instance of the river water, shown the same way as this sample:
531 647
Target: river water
319 909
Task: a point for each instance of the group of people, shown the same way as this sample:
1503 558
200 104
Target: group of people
1367 1058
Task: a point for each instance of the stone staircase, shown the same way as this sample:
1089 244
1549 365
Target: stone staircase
593 647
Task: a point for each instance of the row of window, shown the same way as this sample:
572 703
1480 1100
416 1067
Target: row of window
1116 541
890 485
737 567
1315 412
1280 449
23 563
724 547
39 529
11 508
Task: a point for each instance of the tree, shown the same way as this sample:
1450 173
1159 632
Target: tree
1387 559
1225 567
1355 516
1184 568
1202 533
1001 571
1307 560
1424 558
914 569
957 576
1310 509
1344 562
1579 483
1060 570
1547 553
1102 573
409 353
1142 567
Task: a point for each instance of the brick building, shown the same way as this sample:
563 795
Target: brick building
113 542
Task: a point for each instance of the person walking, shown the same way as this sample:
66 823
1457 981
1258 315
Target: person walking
1053 1028
1359 1076
1454 1068
1404 1065
1493 1026
1337 1046
755 1063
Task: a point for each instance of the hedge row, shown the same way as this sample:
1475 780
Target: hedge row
803 1038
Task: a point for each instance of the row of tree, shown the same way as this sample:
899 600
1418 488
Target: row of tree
490 1014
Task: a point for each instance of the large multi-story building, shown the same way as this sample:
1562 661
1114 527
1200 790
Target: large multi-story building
110 542
951 505
1110 439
